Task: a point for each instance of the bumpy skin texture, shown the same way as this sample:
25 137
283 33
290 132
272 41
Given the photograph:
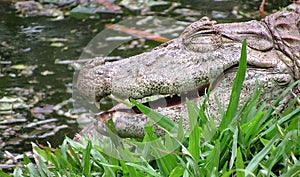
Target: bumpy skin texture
206 52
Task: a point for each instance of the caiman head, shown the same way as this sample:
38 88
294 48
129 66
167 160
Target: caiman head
206 53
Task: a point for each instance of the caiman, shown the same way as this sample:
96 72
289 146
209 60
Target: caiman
206 53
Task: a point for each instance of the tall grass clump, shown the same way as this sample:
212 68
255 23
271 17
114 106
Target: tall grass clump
251 141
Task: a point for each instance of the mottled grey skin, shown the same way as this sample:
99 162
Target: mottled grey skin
206 52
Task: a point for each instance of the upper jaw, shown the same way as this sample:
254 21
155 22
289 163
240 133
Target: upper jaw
169 69
202 52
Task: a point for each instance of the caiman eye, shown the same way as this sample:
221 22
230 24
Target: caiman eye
203 41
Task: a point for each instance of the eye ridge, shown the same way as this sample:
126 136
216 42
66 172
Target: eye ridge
213 41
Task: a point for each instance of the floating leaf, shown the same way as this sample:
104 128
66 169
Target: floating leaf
57 44
21 66
45 73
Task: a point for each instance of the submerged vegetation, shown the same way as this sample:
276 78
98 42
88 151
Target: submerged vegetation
251 141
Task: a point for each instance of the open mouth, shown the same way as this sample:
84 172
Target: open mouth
174 100
177 99
125 116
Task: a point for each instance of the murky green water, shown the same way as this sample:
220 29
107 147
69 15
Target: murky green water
35 93
31 84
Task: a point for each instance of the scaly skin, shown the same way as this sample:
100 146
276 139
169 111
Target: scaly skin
206 52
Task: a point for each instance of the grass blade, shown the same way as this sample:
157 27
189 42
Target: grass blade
158 118
282 150
165 161
16 173
233 148
147 170
33 171
213 160
42 167
259 156
194 138
100 160
292 115
86 164
177 172
293 171
239 163
236 89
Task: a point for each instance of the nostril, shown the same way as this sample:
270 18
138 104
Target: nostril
204 19
164 45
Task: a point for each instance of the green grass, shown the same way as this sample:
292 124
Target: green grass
250 141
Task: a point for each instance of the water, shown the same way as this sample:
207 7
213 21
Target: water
33 82
35 93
